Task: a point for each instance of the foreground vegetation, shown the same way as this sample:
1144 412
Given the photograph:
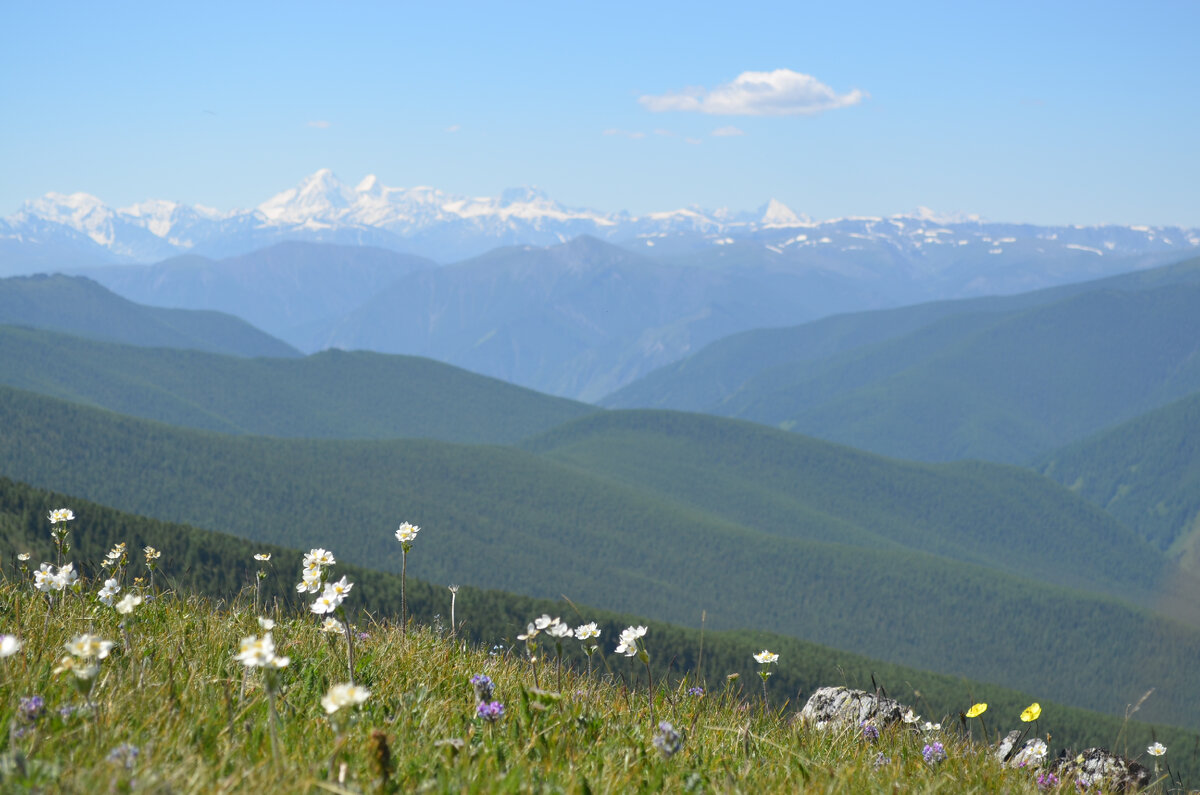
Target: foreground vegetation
172 707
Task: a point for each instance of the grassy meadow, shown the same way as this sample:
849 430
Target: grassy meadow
163 687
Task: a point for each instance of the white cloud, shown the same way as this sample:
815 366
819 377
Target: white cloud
320 125
625 133
778 93
453 128
666 133
725 132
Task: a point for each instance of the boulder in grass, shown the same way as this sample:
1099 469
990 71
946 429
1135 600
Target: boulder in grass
1098 768
1013 753
830 707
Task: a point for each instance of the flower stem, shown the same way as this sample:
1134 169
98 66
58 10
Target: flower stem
403 592
349 645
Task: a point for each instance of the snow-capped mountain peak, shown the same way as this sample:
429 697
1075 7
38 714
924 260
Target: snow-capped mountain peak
321 197
778 215
446 227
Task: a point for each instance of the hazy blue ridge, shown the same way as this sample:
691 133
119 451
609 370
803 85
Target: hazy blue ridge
80 306
933 385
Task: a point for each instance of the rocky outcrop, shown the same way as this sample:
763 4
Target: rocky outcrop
1096 767
840 706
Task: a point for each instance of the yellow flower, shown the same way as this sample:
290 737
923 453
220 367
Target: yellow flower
977 710
1032 712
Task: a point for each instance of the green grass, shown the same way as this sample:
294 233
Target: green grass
172 688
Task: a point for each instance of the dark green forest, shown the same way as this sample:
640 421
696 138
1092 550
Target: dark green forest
520 522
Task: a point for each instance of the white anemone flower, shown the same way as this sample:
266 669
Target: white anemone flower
9 645
765 657
319 557
108 593
344 695
127 603
326 603
407 532
87 645
60 515
256 652
558 630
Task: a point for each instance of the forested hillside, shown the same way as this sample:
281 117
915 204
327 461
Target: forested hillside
1003 379
333 394
519 522
79 306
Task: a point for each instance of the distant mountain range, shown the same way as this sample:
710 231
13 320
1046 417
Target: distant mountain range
76 230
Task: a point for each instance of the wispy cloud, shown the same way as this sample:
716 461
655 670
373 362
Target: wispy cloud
778 93
320 125
453 128
625 133
725 132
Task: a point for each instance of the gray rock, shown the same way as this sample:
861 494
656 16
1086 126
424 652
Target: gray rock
830 707
1013 753
1096 767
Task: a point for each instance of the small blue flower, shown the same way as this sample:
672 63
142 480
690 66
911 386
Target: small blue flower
870 733
31 707
484 687
695 691
667 740
124 754
490 712
882 759
934 753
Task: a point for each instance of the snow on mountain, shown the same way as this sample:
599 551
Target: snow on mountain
778 215
427 221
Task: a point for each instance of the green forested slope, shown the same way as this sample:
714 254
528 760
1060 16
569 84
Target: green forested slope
220 565
333 394
796 487
75 305
501 518
1145 472
1002 379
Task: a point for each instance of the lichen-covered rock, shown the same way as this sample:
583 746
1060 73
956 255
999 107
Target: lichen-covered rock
831 707
1096 767
1012 752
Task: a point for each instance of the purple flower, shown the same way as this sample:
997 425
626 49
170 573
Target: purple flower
490 712
31 707
484 687
882 759
870 733
695 691
1047 781
124 754
667 740
934 753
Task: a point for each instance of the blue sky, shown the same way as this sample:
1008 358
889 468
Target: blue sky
1043 112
